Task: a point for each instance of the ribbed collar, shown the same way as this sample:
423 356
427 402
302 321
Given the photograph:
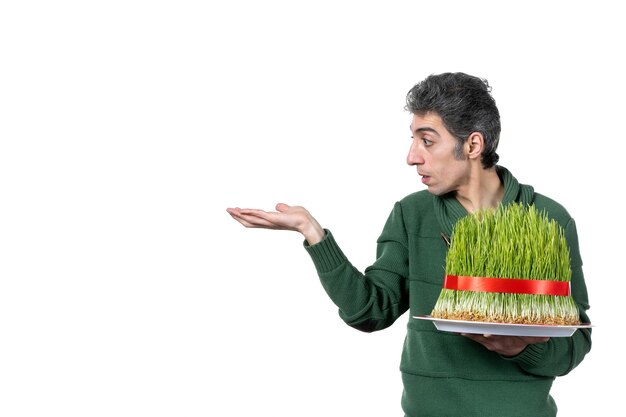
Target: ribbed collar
449 210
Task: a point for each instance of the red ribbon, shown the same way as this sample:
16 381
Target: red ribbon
506 285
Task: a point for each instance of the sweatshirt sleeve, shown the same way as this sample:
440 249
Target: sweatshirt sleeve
372 300
560 355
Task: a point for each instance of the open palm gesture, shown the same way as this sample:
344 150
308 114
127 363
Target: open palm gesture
285 217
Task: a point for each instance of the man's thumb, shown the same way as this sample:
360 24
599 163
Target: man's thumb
282 207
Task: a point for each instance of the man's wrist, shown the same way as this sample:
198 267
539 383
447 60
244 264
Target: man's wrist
313 232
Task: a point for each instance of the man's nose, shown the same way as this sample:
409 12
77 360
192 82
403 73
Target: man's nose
415 155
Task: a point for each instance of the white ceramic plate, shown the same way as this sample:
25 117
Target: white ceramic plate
505 329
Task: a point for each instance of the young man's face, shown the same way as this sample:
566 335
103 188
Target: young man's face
433 153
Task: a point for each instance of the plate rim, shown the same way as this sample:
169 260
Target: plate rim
494 323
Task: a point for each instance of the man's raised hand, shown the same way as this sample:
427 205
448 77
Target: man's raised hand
286 217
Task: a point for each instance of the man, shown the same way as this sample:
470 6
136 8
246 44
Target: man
455 130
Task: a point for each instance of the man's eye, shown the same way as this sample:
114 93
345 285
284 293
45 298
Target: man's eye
427 142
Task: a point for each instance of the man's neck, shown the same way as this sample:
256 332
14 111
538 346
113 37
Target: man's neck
483 190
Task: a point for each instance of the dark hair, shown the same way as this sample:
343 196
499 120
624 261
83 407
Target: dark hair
464 104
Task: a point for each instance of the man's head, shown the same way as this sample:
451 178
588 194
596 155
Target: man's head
465 106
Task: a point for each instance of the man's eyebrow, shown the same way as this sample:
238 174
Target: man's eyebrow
424 129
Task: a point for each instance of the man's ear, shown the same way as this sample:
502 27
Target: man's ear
475 144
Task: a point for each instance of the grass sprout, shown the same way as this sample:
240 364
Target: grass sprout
515 241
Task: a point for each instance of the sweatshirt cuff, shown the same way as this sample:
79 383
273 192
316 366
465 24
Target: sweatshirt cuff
325 254
529 357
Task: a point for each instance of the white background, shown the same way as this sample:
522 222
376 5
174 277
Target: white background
127 127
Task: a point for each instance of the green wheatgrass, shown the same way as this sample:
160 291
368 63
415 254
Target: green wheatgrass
515 241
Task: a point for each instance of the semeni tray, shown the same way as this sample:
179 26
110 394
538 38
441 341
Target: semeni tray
503 329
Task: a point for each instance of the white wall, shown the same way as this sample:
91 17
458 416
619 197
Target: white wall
128 127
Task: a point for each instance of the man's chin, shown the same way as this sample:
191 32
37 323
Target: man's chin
437 191
434 191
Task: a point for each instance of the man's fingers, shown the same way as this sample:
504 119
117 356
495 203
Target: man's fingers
241 220
251 220
258 216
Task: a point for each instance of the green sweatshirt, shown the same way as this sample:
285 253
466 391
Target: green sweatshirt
445 374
